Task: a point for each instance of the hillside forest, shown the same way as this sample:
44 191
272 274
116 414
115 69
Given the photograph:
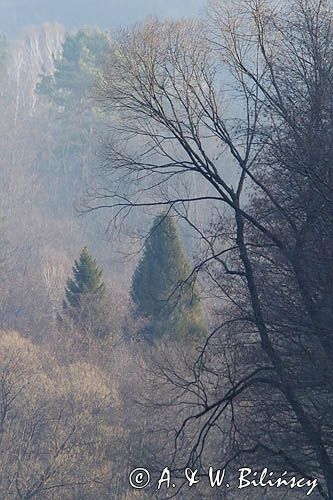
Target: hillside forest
166 247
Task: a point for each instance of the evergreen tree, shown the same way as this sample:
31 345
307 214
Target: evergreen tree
84 303
162 290
75 124
87 279
76 70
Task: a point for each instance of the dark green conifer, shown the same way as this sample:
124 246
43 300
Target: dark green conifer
86 280
163 290
84 303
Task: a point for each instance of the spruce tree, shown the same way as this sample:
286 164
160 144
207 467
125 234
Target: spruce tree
84 303
163 291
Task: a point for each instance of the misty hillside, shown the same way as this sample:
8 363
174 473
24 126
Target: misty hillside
166 250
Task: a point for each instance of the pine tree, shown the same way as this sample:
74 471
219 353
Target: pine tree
84 303
76 124
163 291
76 70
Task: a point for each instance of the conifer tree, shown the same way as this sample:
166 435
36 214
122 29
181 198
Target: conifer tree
87 279
72 113
163 291
76 69
85 292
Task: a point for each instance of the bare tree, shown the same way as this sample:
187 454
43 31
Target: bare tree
53 421
242 101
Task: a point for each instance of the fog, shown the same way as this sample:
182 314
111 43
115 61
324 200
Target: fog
17 14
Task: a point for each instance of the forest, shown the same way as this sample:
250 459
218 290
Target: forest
166 250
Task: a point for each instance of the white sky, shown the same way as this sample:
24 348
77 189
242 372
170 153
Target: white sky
16 14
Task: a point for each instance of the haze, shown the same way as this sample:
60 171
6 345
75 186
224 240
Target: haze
17 14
